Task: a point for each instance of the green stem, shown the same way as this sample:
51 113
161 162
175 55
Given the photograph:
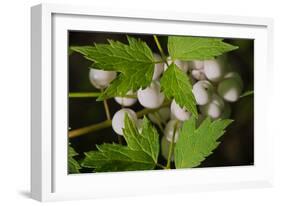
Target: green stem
159 118
158 121
84 94
107 123
106 108
148 111
108 116
161 166
88 129
119 137
92 94
171 148
160 49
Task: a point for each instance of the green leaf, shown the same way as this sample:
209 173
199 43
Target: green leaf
195 144
73 165
122 84
84 50
118 87
175 84
197 48
71 152
70 51
141 152
134 60
247 93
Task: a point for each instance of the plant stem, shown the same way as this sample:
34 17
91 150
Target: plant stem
119 137
159 118
108 116
107 123
162 166
160 49
171 148
83 94
158 121
148 111
88 129
106 108
91 94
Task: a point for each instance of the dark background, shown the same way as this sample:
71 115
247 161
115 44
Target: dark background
237 146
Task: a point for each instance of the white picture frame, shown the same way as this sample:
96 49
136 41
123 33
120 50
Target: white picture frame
49 178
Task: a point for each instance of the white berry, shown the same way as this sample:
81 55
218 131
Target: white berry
163 114
214 108
151 97
158 68
169 130
118 120
178 112
126 101
198 74
100 78
213 70
202 91
229 89
197 64
236 76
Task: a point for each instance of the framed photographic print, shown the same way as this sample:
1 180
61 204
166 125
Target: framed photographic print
135 102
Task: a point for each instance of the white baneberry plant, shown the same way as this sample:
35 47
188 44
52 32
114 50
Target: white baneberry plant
186 95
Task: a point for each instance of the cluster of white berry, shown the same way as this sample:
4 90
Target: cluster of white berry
214 88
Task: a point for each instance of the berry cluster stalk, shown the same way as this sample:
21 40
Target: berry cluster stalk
171 148
160 49
107 123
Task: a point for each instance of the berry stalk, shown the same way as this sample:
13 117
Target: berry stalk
92 94
160 49
171 149
107 123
